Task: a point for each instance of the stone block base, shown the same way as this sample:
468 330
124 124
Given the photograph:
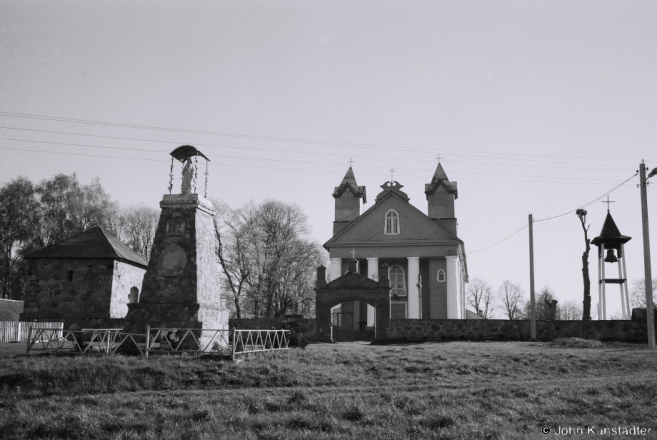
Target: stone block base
180 316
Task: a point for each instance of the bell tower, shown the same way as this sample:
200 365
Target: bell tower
347 201
610 240
441 194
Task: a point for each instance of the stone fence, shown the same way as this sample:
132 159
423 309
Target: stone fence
308 324
517 330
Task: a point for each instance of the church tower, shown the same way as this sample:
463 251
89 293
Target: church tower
347 201
441 194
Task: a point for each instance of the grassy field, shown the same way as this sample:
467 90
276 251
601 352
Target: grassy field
459 390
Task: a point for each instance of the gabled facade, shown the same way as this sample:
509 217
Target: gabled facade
87 280
420 253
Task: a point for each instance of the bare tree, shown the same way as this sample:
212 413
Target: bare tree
135 226
586 315
480 296
570 311
510 295
638 293
268 262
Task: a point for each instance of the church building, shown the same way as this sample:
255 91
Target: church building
422 254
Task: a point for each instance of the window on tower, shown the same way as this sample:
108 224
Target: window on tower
392 223
397 281
440 277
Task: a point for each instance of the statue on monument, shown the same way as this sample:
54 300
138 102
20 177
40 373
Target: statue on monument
187 177
188 155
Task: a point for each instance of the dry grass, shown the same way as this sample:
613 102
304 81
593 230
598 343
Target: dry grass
449 390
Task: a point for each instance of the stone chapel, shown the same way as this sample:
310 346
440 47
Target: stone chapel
421 253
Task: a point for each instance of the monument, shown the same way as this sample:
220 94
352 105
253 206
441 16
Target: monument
181 284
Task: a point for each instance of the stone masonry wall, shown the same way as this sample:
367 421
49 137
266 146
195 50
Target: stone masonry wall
125 277
273 324
498 329
85 299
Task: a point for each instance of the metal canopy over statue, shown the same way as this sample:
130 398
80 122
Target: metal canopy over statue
181 284
188 156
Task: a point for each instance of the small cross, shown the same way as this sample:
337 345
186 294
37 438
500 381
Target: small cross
439 158
353 254
391 174
608 202
351 162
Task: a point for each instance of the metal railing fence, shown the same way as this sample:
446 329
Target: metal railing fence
157 340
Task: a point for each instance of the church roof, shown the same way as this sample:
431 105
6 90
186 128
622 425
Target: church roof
395 188
440 179
610 233
349 182
92 243
416 227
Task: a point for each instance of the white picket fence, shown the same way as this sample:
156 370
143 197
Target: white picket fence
14 331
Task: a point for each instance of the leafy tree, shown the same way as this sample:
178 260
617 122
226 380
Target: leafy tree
17 205
510 295
480 296
586 314
66 208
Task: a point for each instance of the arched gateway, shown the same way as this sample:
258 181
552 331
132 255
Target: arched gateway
352 286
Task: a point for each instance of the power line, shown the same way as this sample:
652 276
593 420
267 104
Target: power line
554 217
287 160
498 242
266 168
590 203
272 138
278 150
314 153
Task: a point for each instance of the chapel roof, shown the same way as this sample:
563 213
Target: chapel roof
92 243
10 310
440 179
610 233
349 182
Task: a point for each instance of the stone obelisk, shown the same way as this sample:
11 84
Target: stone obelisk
181 284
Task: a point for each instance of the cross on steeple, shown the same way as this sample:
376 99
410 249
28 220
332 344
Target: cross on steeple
351 162
391 174
439 158
353 254
608 202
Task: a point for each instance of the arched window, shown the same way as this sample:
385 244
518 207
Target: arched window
397 281
440 276
133 298
392 223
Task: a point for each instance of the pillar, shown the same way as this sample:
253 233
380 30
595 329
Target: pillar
335 270
452 278
413 290
603 293
627 296
373 274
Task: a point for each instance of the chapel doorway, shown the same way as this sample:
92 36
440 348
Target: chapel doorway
353 321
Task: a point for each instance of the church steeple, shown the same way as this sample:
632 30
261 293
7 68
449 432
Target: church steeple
441 193
347 201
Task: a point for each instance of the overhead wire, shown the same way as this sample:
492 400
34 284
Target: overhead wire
273 138
291 160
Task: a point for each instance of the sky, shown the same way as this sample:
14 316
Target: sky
533 107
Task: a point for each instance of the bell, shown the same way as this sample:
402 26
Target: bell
610 258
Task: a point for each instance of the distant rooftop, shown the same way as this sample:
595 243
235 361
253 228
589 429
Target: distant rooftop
92 243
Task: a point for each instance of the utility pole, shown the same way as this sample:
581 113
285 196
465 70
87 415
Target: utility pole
650 316
531 278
